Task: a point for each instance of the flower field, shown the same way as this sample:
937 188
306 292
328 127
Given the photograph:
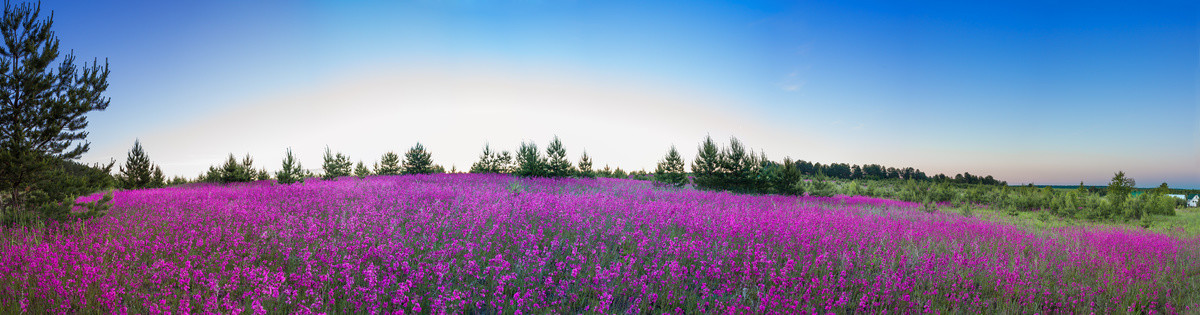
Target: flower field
487 244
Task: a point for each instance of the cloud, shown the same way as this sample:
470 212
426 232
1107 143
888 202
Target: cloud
791 82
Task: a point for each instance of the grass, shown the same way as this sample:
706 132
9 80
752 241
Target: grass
1185 222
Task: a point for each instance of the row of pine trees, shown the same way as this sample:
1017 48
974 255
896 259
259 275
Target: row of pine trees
733 168
139 172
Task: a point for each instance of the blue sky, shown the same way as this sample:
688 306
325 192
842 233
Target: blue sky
1026 91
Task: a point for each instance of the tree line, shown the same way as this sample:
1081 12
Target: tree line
139 172
739 169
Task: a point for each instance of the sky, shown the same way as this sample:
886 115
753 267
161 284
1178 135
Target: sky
1029 92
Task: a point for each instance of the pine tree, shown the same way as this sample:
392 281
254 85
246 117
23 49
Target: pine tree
262 174
734 167
1119 189
529 161
42 108
670 170
138 172
389 164
487 161
335 165
504 162
418 161
233 171
605 172
785 182
291 172
177 180
618 173
158 179
247 171
361 171
557 164
707 165
585 167
762 174
229 170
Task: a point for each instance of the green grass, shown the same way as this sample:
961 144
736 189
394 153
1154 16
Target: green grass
1185 222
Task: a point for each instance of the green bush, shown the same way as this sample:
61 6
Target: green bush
820 188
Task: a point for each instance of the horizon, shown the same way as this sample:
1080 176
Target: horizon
1049 94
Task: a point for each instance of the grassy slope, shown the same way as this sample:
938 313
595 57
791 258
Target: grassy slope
1185 222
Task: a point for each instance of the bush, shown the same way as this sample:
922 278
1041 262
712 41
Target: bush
820 188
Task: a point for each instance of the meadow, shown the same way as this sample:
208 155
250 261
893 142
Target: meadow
498 244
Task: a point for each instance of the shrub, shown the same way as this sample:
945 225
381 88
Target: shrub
820 188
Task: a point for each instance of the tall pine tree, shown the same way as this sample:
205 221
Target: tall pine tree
418 161
670 170
557 164
787 180
138 172
707 166
291 170
735 168
43 108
